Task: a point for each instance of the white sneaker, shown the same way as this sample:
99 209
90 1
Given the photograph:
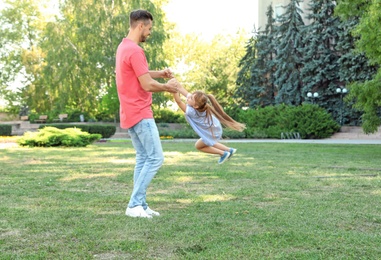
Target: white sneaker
152 212
137 212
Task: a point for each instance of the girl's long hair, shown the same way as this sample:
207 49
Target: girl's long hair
201 100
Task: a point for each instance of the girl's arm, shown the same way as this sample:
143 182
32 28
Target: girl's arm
182 90
180 103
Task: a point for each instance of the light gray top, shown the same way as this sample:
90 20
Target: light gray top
209 132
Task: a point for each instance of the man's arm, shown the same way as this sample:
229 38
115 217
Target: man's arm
164 74
151 85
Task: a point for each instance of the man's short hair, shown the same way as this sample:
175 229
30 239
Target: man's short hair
140 15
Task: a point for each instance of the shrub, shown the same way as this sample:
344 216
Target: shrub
311 121
252 132
185 132
51 136
233 134
5 130
166 115
105 131
105 117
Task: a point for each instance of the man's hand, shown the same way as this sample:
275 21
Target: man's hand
172 85
167 73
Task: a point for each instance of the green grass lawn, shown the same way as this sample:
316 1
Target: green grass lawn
270 201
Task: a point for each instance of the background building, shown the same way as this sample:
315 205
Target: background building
278 6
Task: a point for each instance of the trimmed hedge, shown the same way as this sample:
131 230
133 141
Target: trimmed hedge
5 130
186 132
51 136
310 121
106 131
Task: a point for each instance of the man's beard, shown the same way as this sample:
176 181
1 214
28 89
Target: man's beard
143 38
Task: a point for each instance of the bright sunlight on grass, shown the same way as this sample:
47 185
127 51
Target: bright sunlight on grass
270 201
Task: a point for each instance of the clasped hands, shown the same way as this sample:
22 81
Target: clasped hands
172 85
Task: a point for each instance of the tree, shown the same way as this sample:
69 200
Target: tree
210 67
255 79
353 66
366 94
322 55
20 26
69 63
288 60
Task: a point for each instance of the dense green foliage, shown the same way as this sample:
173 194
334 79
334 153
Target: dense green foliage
211 67
105 131
310 121
288 59
307 121
366 94
254 88
51 136
5 130
68 60
166 115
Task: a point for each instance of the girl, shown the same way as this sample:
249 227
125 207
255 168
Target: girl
205 115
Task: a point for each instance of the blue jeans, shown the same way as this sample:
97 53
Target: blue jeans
149 158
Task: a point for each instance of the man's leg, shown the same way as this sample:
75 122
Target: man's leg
149 144
140 156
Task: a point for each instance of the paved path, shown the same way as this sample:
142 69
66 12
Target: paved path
296 141
313 141
307 141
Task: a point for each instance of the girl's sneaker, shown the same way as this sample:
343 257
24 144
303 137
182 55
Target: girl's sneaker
224 157
232 151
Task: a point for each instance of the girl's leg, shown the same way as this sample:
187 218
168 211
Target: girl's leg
225 148
221 147
209 149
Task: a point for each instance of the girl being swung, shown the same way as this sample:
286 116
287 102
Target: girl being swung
205 115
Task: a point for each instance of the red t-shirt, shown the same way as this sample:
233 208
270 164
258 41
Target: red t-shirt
135 102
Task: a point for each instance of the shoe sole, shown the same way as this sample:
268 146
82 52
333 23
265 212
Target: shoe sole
133 216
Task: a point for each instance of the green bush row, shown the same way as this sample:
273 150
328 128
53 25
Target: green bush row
186 131
310 121
51 136
5 130
105 131
165 115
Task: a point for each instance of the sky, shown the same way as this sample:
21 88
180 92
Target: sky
211 17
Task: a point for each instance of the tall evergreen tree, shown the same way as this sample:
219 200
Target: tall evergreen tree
256 78
320 71
329 62
289 56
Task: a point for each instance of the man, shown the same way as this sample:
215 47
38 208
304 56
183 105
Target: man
135 85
